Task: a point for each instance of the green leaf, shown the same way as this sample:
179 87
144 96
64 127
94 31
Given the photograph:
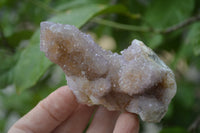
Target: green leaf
164 13
173 130
31 66
2 124
190 47
119 9
2 3
72 4
7 61
193 38
16 102
18 36
32 63
78 16
154 40
185 52
6 78
97 9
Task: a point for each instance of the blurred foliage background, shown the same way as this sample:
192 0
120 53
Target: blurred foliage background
170 27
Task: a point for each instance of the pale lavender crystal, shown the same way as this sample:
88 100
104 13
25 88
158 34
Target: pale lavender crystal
136 81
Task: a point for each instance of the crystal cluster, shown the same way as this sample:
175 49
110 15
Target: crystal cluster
135 81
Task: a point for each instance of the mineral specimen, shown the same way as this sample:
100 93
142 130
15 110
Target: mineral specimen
135 81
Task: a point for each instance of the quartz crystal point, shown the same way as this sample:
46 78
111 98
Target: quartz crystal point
135 81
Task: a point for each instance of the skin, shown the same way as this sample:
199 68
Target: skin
60 112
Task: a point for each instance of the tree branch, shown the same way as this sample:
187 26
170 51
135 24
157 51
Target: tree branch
148 29
182 24
121 26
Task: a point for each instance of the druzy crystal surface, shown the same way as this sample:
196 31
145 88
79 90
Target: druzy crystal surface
135 81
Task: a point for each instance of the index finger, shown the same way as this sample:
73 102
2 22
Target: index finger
127 123
48 114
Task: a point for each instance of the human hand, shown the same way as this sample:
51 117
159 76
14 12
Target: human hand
60 112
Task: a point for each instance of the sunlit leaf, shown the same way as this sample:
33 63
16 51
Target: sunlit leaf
32 63
30 67
72 4
78 16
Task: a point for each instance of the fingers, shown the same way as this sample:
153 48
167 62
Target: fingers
127 123
48 114
77 122
103 121
60 112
